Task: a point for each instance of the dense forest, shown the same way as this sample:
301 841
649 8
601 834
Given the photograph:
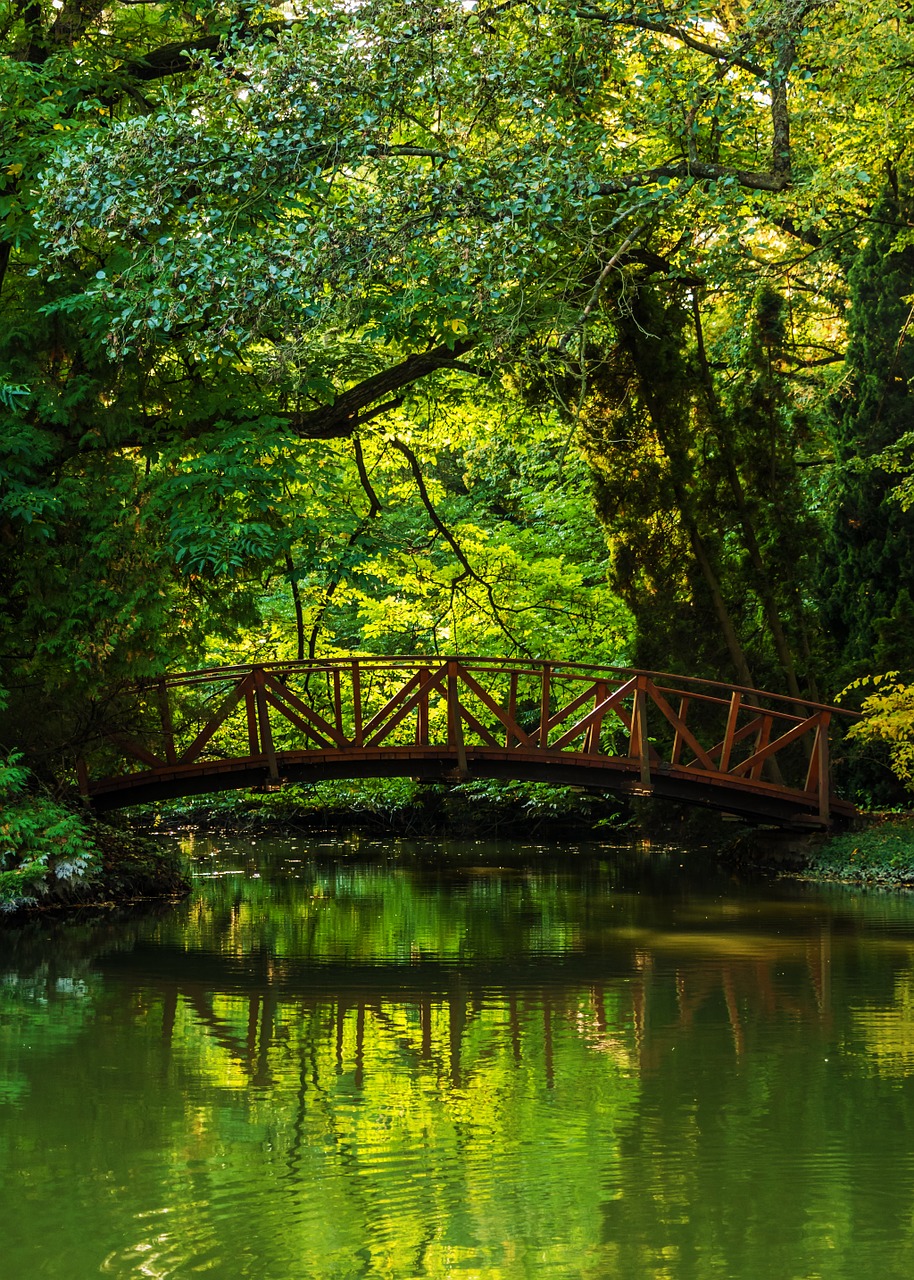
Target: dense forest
558 329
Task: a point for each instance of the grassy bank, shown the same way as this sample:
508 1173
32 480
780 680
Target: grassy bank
879 852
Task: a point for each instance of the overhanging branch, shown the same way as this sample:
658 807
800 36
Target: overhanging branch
353 407
728 56
699 170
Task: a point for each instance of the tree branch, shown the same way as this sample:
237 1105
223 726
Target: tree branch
730 57
177 56
375 507
598 288
780 115
695 169
374 510
468 570
340 419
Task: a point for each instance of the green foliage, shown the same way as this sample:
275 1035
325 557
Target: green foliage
869 568
632 267
44 846
878 854
888 720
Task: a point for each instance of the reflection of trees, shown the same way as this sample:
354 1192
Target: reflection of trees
528 1075
751 989
433 1012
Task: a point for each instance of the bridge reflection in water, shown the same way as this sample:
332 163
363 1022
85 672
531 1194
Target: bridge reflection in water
404 1061
759 755
449 1023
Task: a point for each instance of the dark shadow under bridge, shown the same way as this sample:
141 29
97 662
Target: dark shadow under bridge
759 755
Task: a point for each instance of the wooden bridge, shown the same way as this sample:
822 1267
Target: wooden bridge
759 755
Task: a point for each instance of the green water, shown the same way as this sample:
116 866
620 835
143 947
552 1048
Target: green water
342 1061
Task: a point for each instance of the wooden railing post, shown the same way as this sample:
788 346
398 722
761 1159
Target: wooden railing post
543 742
338 703
824 771
512 706
638 746
454 721
168 729
263 716
357 704
422 709
250 706
817 776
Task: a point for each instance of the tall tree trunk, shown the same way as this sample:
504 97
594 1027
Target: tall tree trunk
763 581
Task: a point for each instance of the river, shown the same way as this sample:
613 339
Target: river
346 1059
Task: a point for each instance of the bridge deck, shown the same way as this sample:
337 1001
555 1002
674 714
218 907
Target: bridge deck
759 755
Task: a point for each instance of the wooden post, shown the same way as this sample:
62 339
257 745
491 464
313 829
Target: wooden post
512 706
454 722
357 703
422 710
543 743
338 703
251 708
824 771
817 777
168 730
727 747
638 745
263 716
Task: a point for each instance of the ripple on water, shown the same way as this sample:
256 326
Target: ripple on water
382 1072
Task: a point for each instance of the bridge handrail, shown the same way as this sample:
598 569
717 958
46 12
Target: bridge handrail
447 716
522 666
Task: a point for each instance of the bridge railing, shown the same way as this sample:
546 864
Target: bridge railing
657 725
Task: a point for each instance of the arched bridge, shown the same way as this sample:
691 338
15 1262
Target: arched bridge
759 755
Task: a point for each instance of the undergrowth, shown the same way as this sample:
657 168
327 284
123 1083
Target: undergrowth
45 848
882 853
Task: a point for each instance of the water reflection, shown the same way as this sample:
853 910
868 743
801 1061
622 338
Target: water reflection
334 1067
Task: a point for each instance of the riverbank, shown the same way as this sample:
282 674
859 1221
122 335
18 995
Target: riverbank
136 859
879 852
128 868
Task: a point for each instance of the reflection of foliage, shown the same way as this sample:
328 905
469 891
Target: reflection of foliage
888 1032
332 1069
342 912
41 1013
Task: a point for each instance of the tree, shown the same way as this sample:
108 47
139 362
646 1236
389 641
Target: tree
869 572
247 247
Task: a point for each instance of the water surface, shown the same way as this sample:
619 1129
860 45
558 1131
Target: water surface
344 1060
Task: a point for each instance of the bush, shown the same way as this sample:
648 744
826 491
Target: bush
879 854
44 846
